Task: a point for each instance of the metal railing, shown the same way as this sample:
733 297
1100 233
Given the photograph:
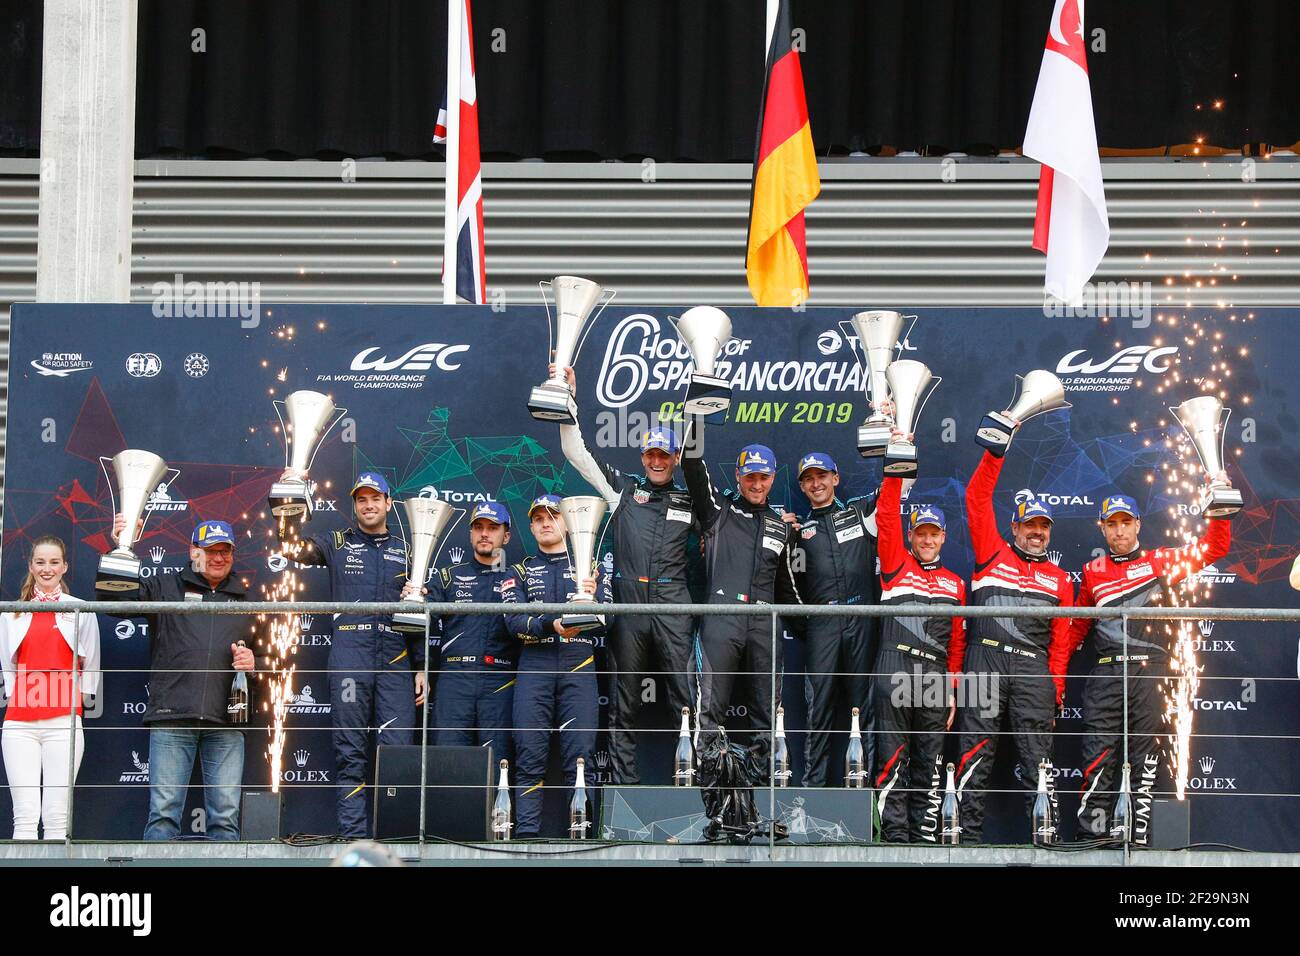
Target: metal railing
773 612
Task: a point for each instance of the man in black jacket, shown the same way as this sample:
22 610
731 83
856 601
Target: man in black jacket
747 548
192 660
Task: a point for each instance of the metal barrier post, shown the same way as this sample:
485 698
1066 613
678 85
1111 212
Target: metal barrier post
1124 645
72 734
771 750
424 737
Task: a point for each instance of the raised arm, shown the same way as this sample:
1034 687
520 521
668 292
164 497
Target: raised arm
889 528
1175 564
980 518
705 499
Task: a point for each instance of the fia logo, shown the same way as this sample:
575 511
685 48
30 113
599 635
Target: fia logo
143 365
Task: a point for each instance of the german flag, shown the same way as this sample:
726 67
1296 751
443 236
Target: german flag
785 176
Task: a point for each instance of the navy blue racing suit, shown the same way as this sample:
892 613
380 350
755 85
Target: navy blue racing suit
371 681
478 655
557 686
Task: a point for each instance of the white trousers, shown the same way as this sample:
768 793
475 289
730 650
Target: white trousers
32 749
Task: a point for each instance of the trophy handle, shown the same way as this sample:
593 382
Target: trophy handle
672 320
607 296
104 462
934 384
591 323
457 514
340 413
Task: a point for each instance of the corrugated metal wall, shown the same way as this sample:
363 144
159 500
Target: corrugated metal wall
885 232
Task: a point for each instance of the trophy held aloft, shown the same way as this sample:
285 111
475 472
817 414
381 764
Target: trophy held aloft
574 300
879 333
137 474
705 330
911 385
306 420
1204 420
1040 392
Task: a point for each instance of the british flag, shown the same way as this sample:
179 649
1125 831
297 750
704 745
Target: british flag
471 268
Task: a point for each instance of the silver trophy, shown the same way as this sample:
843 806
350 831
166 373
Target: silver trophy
705 330
911 385
582 517
138 473
574 299
878 335
306 420
426 519
1039 391
1204 420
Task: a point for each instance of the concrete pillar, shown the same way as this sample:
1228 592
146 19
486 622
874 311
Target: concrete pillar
83 251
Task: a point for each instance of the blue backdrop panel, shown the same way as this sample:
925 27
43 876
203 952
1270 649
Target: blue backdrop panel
436 397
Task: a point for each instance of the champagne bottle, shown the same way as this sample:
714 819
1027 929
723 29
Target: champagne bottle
501 809
237 703
1044 826
1121 821
950 814
780 752
684 760
855 761
578 822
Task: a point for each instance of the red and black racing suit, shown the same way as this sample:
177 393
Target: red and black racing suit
1137 579
911 687
1014 666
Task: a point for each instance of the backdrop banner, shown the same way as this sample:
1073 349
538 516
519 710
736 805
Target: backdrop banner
436 396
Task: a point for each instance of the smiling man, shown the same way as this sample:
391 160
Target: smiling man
748 546
1020 661
1127 576
653 531
838 541
373 694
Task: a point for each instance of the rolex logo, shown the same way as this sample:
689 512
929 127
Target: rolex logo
157 553
1205 627
305 622
601 759
1056 557
456 555
300 757
1206 764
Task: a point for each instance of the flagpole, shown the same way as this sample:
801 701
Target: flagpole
451 194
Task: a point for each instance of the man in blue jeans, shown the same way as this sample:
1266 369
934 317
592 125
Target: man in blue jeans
192 660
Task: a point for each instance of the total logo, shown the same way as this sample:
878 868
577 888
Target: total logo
832 340
641 357
127 629
1053 499
1058 773
277 562
1115 373
304 703
143 365
1206 703
61 364
372 368
1207 780
160 499
139 772
301 773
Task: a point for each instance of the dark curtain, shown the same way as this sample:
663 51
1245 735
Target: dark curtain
672 79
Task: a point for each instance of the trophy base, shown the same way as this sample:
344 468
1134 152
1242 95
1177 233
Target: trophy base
583 622
547 403
706 395
995 433
873 438
291 500
410 622
118 573
1220 502
900 460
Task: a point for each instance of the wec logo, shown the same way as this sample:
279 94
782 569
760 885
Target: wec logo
1126 361
419 359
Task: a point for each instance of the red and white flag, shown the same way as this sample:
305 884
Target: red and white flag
464 229
1071 225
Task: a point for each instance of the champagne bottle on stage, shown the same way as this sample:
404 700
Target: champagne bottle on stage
855 760
578 821
950 813
1121 821
684 760
501 809
780 752
1042 821
237 703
